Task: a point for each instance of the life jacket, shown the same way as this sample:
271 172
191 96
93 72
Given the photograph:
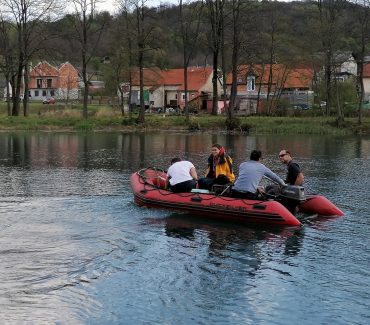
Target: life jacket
223 167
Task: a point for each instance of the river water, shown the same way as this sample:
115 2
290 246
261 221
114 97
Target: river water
75 249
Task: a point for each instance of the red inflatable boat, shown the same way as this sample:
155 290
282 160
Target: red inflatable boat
149 190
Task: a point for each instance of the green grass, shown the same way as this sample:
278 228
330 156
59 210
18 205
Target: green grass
50 117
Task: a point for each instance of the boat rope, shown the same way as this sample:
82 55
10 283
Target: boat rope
148 186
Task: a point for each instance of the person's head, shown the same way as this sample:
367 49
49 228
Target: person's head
256 155
284 156
175 160
217 150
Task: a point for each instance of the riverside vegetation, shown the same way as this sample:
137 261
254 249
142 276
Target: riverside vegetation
59 118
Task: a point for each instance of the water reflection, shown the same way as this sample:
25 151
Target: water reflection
137 150
74 248
223 238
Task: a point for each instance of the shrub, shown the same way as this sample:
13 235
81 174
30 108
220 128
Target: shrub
232 124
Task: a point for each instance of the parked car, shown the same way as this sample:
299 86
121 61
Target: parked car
49 100
301 106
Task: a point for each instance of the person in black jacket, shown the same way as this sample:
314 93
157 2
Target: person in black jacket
294 172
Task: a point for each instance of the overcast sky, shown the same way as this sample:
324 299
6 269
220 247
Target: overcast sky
111 5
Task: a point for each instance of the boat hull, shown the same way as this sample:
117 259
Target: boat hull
320 205
147 193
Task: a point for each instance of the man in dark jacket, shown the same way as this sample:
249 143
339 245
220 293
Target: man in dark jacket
294 175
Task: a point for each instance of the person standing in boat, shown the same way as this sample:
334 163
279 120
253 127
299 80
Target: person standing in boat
182 176
220 169
250 175
294 173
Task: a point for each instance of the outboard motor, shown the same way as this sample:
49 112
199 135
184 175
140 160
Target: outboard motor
293 192
290 196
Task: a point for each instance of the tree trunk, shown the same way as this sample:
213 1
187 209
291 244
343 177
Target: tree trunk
86 85
328 77
235 56
227 107
16 94
26 96
9 108
214 83
141 118
362 92
186 92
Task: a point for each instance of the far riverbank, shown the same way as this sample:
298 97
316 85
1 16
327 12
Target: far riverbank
104 120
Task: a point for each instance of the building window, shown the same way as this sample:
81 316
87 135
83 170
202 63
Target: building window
44 93
51 92
36 93
251 83
176 96
49 83
183 96
39 83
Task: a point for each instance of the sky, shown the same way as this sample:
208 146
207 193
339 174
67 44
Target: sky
111 5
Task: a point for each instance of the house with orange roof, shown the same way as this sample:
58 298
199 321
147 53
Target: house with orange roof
46 80
259 83
166 88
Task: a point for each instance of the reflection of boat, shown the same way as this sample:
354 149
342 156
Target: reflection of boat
148 187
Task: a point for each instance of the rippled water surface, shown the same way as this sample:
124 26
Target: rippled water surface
75 249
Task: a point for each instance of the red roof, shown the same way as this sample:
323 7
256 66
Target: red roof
197 77
44 69
290 77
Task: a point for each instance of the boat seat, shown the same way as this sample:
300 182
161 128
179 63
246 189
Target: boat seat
221 189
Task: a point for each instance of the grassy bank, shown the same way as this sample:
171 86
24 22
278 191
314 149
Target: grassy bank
54 118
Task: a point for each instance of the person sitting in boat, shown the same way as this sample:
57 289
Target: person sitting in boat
250 175
294 173
220 169
182 176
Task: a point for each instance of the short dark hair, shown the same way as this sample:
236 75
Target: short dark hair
216 145
256 155
175 160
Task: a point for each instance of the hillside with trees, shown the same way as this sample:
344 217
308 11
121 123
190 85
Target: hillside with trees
218 33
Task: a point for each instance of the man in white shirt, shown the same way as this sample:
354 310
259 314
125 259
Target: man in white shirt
182 176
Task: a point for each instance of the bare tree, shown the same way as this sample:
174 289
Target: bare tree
236 29
88 35
28 19
144 33
362 31
330 25
215 16
272 30
7 62
190 17
128 26
116 71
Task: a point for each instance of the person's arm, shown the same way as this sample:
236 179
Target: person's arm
270 174
299 180
193 173
168 178
230 175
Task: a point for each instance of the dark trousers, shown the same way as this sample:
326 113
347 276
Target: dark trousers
244 195
205 183
186 186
